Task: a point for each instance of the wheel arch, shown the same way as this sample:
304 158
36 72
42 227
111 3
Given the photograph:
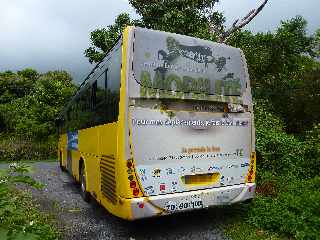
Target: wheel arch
81 163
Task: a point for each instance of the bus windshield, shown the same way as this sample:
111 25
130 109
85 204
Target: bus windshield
173 62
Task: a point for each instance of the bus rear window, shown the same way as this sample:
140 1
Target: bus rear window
173 62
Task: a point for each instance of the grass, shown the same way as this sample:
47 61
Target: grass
16 149
244 231
20 217
287 208
23 218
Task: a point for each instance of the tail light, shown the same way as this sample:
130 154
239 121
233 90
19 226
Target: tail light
135 192
251 176
133 182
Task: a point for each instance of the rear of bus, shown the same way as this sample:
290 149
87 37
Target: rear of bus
191 141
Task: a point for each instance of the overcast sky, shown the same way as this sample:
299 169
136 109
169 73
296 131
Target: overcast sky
53 34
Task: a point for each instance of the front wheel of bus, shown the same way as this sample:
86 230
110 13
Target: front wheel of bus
83 184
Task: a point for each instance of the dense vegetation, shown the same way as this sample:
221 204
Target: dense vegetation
29 104
19 217
285 79
286 85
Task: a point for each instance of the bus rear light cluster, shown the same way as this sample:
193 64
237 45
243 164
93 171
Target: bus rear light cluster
251 172
133 184
135 192
141 205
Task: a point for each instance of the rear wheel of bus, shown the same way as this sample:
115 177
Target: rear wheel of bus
83 184
60 163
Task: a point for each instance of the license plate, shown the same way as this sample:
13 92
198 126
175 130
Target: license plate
174 206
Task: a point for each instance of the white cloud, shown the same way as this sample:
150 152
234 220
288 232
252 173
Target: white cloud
273 13
52 34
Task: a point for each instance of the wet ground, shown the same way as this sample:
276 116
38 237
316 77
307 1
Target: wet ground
80 220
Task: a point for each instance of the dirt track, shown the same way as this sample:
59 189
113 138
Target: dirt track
80 220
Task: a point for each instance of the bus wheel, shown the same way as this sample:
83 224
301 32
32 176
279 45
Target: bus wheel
60 163
83 184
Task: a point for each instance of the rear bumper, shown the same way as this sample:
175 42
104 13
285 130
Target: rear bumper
178 202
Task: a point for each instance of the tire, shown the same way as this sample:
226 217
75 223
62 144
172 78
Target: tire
60 163
83 184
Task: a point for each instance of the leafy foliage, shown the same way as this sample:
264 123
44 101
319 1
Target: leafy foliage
276 59
17 148
29 104
286 84
18 216
295 211
189 17
288 182
103 39
279 152
282 69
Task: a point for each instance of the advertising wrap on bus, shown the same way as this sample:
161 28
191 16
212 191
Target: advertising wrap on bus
190 150
185 145
187 65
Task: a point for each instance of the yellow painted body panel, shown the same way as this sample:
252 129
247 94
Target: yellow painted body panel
89 152
75 164
62 149
100 145
104 140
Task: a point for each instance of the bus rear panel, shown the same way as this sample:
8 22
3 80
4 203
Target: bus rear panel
190 124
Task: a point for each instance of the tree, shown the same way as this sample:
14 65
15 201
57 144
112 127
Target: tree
33 101
189 17
275 57
238 25
103 39
14 85
282 69
197 18
29 73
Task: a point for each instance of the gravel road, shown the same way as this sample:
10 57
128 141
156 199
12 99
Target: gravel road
80 220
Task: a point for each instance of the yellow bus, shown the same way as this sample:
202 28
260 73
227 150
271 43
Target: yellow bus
163 124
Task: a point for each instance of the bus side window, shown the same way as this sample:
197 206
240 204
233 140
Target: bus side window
101 103
93 102
113 90
85 108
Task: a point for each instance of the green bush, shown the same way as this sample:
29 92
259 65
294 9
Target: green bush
272 143
295 211
18 216
15 148
281 153
288 196
30 102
